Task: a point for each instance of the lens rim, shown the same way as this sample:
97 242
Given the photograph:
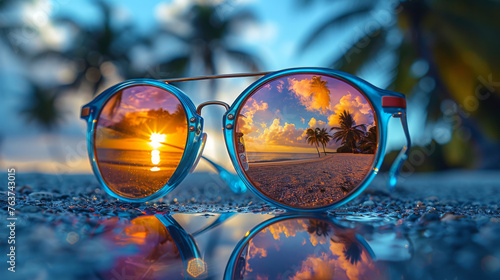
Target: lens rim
230 267
193 139
372 94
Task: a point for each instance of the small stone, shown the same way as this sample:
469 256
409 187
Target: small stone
429 217
451 217
29 209
368 203
41 196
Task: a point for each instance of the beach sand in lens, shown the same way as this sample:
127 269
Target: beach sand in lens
311 182
132 174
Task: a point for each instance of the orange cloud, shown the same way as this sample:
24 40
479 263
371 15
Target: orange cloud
254 251
322 267
288 228
248 111
312 122
316 123
357 106
315 96
276 134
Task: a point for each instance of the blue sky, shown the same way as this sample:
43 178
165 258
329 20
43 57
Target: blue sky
282 27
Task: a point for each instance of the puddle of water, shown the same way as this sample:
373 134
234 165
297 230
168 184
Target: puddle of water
238 246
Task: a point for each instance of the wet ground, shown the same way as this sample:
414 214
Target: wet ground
437 226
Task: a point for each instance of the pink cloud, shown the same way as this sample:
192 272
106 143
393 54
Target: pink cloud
246 123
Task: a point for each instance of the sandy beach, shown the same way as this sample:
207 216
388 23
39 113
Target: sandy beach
310 182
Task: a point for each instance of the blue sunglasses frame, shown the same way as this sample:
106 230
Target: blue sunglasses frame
385 103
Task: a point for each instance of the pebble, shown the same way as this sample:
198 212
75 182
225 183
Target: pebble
368 203
41 196
467 239
29 209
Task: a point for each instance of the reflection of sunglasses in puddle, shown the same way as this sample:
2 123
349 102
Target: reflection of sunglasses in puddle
151 247
303 247
283 247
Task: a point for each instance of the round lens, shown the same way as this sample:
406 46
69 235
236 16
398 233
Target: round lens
326 252
139 140
306 140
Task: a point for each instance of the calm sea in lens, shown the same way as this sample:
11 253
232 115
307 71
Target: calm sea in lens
266 157
137 157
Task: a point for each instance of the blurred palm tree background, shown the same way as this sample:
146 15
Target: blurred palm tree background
442 54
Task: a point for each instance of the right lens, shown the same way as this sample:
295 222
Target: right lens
139 140
306 140
304 248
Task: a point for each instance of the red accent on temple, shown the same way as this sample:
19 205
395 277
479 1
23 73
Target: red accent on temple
392 101
85 112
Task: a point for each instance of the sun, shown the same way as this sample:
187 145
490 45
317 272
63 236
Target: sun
157 139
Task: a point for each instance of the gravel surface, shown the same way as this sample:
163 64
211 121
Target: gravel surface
452 219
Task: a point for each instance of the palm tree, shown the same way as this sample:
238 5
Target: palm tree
451 45
208 40
42 109
352 248
368 143
318 227
324 138
348 132
107 46
312 137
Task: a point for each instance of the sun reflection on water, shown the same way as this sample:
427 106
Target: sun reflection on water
156 142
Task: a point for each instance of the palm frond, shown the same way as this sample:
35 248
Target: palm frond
362 52
246 59
339 21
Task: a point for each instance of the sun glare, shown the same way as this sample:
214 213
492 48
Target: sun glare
157 139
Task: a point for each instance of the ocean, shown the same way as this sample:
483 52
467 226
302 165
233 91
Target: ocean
267 157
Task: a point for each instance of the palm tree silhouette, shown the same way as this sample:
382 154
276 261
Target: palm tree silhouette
42 109
318 227
348 132
368 143
209 40
352 248
454 43
324 138
93 47
312 137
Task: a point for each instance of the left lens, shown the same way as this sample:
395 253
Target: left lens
306 140
139 140
143 249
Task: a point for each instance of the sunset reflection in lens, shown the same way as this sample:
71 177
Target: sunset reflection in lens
145 250
306 140
139 140
305 248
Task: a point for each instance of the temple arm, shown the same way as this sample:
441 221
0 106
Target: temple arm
232 180
403 154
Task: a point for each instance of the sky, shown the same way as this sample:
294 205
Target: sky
278 114
282 27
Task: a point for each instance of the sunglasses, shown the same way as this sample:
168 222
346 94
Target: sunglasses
304 139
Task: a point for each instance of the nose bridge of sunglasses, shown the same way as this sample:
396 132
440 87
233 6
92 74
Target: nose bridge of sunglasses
220 103
230 179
